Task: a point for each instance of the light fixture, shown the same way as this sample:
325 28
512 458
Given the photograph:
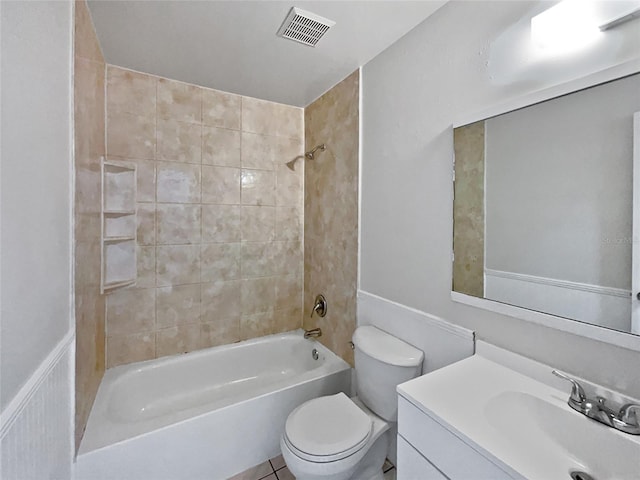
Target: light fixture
575 24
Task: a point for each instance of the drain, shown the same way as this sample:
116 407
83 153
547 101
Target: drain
576 475
315 355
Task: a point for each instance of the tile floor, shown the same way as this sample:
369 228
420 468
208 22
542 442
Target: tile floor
276 469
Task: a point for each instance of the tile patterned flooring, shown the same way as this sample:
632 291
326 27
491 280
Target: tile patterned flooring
276 469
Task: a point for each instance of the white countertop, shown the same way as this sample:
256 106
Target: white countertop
521 422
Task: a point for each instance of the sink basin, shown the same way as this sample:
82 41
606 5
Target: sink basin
561 440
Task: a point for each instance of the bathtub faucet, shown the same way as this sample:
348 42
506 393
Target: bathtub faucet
314 332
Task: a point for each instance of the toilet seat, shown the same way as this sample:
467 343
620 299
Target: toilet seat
327 429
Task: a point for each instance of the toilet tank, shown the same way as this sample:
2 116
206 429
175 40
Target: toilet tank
382 363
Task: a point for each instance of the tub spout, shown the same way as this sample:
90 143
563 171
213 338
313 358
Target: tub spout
314 332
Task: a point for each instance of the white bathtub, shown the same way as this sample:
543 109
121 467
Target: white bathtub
204 415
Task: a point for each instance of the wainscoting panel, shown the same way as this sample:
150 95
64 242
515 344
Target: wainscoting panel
597 305
36 431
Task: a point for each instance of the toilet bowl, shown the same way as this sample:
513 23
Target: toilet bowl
335 438
340 438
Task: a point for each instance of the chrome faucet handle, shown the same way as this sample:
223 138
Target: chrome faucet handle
577 392
630 414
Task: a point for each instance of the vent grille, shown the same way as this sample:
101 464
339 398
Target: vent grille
304 27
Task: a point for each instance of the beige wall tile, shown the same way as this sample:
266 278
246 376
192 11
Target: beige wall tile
220 185
131 136
288 258
85 41
257 259
287 320
177 265
221 223
146 180
122 349
177 305
258 151
146 259
179 101
178 183
258 223
258 187
289 187
220 109
257 325
258 295
220 332
178 224
268 118
89 146
288 292
220 261
178 339
289 224
89 111
131 92
220 147
220 300
146 218
331 241
131 310
179 141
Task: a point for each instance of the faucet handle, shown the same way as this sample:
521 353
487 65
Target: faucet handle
630 413
577 392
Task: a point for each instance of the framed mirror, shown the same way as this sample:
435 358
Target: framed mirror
543 207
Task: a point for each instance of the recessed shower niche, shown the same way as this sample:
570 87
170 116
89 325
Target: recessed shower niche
118 225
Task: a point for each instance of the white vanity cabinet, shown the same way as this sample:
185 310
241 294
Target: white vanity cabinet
427 450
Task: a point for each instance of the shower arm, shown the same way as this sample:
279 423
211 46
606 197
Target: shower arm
310 154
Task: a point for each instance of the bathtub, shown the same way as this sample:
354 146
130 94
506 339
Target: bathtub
204 415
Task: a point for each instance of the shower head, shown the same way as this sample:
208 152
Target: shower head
310 155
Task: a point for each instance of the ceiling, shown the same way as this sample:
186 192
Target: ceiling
232 45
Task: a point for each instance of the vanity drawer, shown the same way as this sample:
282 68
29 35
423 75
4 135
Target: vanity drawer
443 449
411 465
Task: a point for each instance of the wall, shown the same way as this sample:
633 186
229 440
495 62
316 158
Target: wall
219 217
36 330
89 148
331 213
412 93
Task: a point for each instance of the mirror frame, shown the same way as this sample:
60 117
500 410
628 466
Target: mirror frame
614 337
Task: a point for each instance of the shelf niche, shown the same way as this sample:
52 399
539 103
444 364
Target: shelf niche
118 225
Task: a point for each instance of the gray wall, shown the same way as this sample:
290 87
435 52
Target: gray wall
412 93
559 186
35 196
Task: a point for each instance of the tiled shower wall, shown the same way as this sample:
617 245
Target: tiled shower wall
89 74
220 216
331 213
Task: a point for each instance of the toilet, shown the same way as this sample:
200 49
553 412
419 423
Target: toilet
339 438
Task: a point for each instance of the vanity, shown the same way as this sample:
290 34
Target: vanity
498 415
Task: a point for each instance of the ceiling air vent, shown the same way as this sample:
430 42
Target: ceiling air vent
304 27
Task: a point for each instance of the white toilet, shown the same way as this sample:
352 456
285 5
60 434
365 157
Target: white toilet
338 438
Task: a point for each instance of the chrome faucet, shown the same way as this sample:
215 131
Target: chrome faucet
314 332
627 419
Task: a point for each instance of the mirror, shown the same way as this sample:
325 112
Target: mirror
543 206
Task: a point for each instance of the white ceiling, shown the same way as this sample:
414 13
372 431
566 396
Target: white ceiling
232 45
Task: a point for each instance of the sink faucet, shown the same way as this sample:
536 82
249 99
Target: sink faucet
627 419
314 332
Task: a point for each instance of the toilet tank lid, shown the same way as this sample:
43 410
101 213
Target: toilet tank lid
386 348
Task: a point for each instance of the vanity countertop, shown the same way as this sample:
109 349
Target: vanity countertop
522 423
